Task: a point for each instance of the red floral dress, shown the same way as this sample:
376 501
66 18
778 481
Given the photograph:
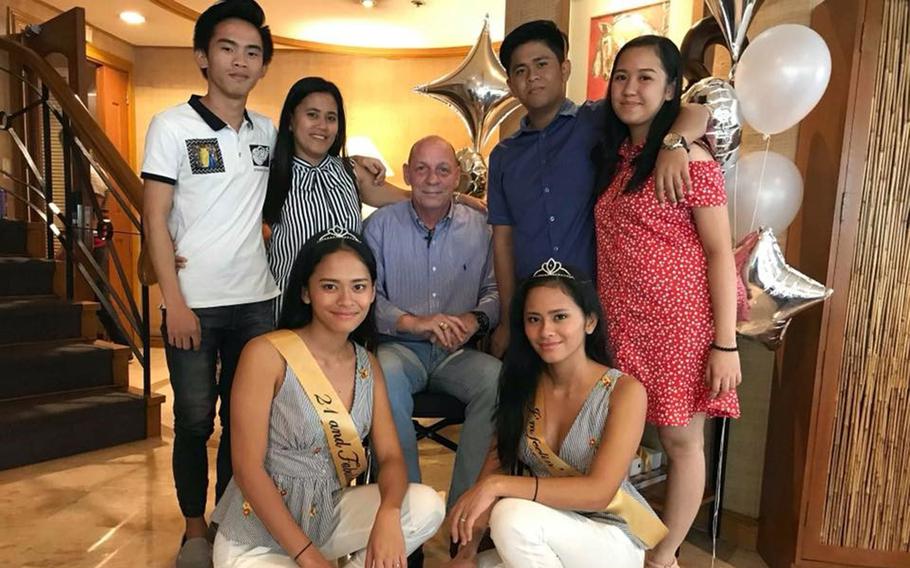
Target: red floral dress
652 277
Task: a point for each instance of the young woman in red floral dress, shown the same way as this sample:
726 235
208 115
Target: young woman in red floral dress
666 275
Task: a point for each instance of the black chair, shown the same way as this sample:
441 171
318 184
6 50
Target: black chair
447 410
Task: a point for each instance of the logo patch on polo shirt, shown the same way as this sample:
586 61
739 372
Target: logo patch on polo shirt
205 155
260 153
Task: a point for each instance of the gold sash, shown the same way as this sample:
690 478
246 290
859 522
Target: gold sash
341 434
641 520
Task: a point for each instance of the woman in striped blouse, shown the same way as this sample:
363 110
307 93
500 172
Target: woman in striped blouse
312 184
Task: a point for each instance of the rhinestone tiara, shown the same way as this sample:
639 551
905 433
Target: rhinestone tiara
552 267
339 233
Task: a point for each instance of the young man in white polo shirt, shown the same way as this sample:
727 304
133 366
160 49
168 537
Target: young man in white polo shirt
205 170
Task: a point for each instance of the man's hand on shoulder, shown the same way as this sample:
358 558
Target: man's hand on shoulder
671 175
474 203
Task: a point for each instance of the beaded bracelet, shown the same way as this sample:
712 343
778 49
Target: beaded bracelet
717 347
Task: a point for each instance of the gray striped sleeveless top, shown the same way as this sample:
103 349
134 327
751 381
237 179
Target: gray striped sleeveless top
581 443
298 461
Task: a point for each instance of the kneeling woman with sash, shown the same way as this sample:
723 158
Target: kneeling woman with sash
303 398
575 423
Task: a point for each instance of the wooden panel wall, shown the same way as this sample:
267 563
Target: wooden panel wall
868 491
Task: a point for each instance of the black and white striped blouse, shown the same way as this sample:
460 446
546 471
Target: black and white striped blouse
320 197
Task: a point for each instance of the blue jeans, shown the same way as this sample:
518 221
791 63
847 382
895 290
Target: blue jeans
468 375
197 387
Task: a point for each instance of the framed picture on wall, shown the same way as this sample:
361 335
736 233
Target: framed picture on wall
610 32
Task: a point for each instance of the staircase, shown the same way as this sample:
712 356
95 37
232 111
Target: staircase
62 391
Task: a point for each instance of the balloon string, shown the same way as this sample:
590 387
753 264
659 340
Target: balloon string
761 183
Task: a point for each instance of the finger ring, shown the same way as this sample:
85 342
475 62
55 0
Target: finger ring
462 519
443 325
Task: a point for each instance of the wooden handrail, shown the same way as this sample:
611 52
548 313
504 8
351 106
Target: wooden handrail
86 129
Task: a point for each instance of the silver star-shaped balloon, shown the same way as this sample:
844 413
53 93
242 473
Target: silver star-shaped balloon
734 17
775 291
476 90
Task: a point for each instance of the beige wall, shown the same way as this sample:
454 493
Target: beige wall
379 100
745 460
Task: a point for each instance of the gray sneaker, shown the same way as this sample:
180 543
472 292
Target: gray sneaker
195 553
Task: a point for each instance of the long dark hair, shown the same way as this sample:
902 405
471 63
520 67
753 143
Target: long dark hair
606 153
283 156
295 313
522 366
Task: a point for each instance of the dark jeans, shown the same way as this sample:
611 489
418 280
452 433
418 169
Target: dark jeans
198 385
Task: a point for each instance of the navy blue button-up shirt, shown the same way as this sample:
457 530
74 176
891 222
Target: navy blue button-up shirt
541 183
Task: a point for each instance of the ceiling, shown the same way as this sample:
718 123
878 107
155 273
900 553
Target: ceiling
390 24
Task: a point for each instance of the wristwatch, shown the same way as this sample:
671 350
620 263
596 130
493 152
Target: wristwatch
672 141
483 322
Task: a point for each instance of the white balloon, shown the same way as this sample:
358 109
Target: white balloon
781 76
770 200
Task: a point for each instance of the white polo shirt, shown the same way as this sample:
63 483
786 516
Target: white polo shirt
219 177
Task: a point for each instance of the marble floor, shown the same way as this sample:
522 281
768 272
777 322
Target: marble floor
116 507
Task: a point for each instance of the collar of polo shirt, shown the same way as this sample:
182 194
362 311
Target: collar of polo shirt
210 117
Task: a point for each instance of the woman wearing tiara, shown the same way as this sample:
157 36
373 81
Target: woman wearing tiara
574 423
666 275
303 399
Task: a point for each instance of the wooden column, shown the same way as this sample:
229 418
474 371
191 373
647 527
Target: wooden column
520 11
836 489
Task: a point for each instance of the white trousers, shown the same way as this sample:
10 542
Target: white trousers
422 511
531 535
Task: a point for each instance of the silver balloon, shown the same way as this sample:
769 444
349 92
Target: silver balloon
473 172
775 291
734 17
724 132
476 90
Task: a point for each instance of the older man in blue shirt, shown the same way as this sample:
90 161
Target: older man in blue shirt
435 292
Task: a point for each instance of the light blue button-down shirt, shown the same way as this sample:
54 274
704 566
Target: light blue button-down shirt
448 270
